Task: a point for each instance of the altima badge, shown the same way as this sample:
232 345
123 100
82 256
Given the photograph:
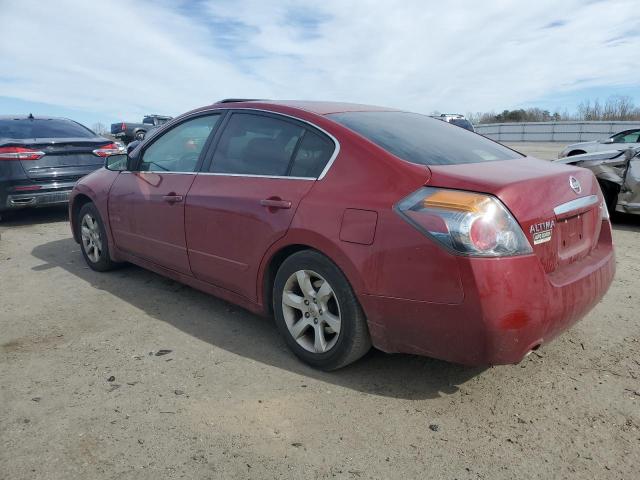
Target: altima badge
575 184
541 232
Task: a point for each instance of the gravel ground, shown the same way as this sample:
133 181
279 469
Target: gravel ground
85 391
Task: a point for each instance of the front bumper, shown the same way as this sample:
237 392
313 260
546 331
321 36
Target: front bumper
511 306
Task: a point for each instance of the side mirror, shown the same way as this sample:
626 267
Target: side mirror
608 140
117 163
133 145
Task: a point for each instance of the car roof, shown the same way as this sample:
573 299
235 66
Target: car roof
317 107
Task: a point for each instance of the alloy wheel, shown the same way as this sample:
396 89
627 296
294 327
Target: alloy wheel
311 311
91 240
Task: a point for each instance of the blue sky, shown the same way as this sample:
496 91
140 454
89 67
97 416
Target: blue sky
113 60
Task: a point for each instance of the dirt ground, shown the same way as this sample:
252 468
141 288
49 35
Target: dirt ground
86 394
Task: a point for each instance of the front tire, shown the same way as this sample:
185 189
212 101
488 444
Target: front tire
317 312
93 239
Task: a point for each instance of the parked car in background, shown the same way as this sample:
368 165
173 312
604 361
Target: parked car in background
356 226
456 119
129 131
41 158
620 141
618 172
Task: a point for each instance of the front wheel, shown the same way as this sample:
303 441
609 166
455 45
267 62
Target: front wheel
317 312
93 239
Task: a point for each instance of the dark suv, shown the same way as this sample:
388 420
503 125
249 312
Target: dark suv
41 159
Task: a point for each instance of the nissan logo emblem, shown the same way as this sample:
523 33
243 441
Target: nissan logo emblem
575 184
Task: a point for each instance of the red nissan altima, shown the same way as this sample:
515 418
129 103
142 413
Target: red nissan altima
356 226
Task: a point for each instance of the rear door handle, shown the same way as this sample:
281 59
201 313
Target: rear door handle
172 198
275 203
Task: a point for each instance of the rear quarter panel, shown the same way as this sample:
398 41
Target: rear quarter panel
400 261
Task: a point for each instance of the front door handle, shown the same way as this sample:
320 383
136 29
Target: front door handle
275 203
172 198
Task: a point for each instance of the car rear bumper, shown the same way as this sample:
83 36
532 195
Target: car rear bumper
13 196
510 307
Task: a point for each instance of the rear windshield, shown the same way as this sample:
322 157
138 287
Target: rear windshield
423 140
462 122
43 128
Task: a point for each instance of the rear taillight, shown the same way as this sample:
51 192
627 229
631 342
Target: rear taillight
468 223
20 153
110 149
123 127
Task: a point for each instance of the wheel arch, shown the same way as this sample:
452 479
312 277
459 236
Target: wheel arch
79 201
280 251
577 151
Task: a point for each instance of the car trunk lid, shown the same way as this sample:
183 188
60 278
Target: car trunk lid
65 158
557 206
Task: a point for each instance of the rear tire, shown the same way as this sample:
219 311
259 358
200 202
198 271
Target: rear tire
320 318
93 239
140 135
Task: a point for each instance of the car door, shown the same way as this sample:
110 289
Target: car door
146 206
261 167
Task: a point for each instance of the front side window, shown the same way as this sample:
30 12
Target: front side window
628 137
178 149
256 145
423 140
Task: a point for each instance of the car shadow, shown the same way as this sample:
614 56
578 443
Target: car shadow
32 216
236 330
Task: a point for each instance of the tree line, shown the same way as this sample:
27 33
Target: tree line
614 108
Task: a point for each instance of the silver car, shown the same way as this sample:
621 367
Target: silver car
618 173
619 141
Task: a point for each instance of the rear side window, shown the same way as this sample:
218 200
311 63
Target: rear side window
256 145
423 140
43 128
312 155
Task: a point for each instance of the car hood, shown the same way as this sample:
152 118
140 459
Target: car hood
603 155
583 144
610 165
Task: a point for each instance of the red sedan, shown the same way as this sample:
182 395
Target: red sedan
356 226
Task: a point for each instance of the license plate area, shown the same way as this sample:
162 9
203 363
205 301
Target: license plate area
573 239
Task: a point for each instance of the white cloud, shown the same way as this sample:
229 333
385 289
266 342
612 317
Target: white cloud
125 58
